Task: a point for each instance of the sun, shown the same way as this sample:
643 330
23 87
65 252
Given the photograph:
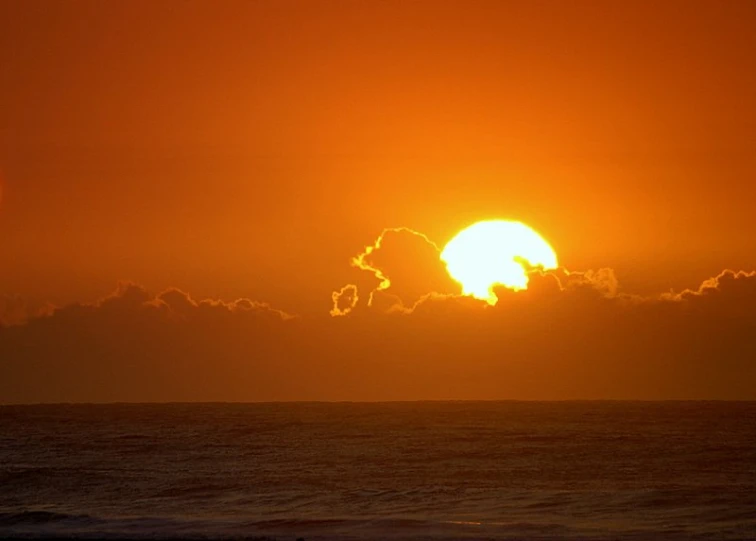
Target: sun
495 252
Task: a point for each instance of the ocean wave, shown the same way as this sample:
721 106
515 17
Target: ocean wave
35 518
389 472
38 525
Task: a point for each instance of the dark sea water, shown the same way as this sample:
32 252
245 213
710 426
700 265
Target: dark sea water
455 470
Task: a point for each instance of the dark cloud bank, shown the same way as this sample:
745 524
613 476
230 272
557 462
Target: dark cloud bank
567 336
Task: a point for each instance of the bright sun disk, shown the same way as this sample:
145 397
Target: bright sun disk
494 252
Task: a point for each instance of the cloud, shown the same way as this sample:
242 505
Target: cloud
344 300
570 335
402 262
179 304
730 289
404 269
15 310
131 345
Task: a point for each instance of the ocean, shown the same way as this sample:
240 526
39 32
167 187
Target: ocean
369 471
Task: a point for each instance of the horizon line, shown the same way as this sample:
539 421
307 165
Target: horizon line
375 402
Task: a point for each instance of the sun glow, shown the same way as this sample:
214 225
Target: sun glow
495 252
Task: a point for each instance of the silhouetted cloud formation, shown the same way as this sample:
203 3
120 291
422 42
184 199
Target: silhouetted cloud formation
15 310
569 335
401 262
344 300
733 289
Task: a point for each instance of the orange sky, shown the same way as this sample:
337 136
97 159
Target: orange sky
250 149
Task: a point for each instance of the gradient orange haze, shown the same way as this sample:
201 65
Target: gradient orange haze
249 150
227 147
